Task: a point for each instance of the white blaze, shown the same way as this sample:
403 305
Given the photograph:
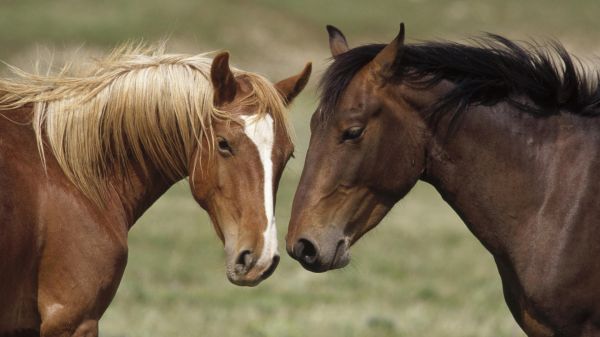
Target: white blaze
260 131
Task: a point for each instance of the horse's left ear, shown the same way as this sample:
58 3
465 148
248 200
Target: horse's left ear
292 86
384 61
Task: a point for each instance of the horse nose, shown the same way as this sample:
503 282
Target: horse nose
271 268
244 262
306 252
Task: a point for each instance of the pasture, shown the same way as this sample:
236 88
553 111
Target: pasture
420 273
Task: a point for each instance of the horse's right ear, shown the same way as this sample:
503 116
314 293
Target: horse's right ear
223 80
337 41
385 59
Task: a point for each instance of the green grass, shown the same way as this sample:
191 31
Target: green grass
420 273
233 21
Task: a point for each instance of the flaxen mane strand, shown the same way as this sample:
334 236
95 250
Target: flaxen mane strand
138 102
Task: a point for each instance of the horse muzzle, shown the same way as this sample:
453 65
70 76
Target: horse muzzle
245 269
318 258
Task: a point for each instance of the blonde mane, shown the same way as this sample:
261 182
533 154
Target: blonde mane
137 104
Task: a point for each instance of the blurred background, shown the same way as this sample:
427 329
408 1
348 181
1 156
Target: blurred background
419 273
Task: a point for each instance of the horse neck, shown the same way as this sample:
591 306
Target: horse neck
490 169
137 189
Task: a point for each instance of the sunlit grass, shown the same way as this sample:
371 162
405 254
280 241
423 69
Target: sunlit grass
419 273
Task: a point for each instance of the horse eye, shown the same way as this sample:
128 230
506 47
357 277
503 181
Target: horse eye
353 133
224 145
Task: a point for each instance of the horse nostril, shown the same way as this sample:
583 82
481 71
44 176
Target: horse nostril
271 268
305 251
243 262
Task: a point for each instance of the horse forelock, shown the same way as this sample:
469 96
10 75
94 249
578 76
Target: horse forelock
138 104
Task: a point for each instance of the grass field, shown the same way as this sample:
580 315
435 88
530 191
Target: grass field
420 273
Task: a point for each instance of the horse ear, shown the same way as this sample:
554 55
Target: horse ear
384 60
223 81
337 41
292 86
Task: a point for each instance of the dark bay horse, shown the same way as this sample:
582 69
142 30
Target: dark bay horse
82 157
509 135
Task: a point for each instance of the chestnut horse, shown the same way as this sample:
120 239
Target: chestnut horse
83 156
509 135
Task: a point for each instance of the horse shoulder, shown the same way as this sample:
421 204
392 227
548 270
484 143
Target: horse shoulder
19 231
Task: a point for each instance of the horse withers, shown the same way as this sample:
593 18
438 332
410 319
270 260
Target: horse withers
82 157
507 133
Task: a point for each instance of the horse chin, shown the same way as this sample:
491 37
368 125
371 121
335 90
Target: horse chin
254 276
244 281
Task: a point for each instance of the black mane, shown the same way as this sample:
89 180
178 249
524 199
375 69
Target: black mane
492 70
